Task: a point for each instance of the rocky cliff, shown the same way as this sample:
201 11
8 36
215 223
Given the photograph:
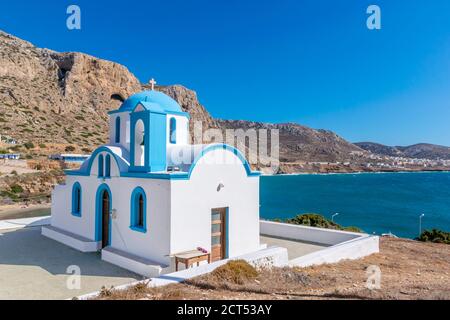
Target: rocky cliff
46 96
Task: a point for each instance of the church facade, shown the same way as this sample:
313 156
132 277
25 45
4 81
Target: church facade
149 194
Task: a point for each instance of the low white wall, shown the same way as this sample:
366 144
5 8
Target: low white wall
24 223
343 245
350 250
307 234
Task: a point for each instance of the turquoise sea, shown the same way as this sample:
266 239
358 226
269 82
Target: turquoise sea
375 202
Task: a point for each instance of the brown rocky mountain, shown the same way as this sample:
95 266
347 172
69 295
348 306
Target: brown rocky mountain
300 143
419 151
51 97
46 96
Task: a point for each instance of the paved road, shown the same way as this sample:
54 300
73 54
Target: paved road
34 267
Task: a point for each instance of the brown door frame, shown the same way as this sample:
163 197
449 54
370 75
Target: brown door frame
223 233
105 218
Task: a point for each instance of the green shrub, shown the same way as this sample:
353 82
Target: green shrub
16 189
352 229
10 195
29 145
319 221
42 145
435 235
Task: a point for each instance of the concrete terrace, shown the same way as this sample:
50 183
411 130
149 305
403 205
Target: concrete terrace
295 248
34 267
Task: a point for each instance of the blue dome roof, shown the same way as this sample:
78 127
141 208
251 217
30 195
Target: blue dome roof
164 102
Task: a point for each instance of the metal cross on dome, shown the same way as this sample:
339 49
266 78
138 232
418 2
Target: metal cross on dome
152 83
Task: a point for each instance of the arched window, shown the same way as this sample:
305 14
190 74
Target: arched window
117 140
100 166
138 210
108 166
76 199
173 130
139 144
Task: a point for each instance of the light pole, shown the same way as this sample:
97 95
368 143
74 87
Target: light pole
334 215
420 223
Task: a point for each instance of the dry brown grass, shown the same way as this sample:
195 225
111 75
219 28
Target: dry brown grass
237 272
410 270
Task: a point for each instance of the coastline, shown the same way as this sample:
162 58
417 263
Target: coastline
350 173
16 211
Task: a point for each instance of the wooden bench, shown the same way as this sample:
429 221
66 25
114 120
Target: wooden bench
188 258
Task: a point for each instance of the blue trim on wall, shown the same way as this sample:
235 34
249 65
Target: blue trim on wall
117 132
227 227
98 212
183 114
117 111
134 210
165 176
91 162
213 147
108 166
77 213
157 151
100 166
173 130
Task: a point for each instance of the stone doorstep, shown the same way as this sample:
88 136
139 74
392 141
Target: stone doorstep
70 239
139 265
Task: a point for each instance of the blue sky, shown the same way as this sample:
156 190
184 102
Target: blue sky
313 62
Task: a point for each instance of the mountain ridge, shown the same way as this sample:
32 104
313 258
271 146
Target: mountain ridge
49 97
415 151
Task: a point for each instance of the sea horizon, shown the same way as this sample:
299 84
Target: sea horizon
373 202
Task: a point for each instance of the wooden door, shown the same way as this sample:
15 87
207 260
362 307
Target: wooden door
105 219
218 234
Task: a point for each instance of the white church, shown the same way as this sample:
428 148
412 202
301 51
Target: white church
149 199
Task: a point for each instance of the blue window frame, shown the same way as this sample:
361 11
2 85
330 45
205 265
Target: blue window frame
138 210
108 166
173 130
100 166
76 199
117 138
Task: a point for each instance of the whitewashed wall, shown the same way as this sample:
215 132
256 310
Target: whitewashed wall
124 129
153 245
182 130
192 201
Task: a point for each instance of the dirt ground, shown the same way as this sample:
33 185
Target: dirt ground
409 270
